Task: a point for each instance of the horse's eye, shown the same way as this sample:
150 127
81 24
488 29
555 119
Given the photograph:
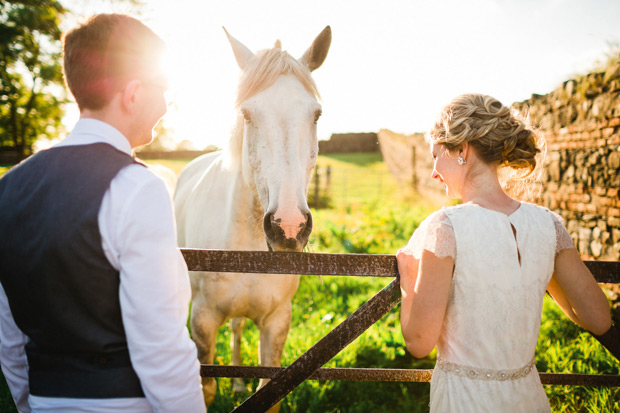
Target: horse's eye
317 115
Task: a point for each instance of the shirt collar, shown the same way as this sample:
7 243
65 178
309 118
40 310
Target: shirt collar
88 131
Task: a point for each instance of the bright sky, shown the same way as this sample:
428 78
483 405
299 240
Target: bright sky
392 64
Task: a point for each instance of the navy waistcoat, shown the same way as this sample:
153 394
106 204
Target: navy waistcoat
62 290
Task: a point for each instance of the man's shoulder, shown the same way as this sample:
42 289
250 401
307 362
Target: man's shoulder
137 174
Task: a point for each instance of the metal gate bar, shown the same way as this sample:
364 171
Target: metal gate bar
373 265
326 373
370 265
395 375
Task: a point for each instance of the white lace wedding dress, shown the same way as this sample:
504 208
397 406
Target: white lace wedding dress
503 264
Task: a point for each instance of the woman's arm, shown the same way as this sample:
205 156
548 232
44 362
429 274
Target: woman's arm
576 291
425 286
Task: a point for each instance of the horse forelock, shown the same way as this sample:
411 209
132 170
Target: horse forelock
266 67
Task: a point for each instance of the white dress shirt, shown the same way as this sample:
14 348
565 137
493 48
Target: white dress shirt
138 233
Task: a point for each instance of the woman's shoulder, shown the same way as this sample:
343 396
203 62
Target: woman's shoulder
542 211
466 209
439 216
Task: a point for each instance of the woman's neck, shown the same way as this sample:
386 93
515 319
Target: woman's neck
485 190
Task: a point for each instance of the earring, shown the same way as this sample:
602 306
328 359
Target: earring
461 161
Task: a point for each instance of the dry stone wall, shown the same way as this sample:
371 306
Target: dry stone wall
581 124
580 178
409 161
350 142
580 121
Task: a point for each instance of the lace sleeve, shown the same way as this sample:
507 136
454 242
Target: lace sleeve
562 237
435 234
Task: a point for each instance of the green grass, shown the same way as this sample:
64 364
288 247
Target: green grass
4 168
380 225
357 178
563 347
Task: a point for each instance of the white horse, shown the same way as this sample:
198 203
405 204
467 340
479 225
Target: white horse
253 197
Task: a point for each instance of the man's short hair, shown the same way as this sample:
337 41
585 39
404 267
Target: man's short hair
103 54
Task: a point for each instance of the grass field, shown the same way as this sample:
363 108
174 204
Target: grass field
380 225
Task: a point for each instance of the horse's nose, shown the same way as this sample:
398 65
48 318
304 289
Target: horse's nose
279 234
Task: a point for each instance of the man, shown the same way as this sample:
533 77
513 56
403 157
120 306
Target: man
95 294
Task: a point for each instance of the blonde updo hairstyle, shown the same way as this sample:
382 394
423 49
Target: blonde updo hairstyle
499 135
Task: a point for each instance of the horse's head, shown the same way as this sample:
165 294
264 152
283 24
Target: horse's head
276 140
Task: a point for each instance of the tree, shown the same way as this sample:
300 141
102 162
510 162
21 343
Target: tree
31 85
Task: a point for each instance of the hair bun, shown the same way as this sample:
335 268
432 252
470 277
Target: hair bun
520 150
498 134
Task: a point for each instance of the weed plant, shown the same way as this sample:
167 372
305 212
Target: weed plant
563 347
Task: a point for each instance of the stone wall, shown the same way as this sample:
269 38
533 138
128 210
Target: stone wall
581 124
408 160
350 142
580 178
580 121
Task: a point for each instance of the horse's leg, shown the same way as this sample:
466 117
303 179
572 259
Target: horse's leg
205 323
236 325
273 332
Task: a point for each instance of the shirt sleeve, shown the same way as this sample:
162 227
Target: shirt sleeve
154 293
562 237
435 234
13 355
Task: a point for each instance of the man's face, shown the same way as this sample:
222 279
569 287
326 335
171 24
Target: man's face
152 107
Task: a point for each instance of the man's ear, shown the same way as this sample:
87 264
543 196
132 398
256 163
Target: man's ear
129 94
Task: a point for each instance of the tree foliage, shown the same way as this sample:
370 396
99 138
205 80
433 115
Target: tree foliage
31 83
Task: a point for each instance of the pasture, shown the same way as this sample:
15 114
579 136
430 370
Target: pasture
380 224
379 221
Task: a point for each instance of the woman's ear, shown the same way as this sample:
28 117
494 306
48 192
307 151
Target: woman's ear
463 150
130 95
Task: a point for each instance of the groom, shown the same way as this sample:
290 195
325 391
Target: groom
95 294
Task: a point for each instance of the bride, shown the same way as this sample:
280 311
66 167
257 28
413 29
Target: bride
473 276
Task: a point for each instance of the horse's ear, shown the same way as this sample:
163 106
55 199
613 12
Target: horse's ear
242 53
314 57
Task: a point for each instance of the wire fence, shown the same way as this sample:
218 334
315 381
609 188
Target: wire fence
339 186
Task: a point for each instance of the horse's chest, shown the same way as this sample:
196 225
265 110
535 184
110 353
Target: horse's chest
246 294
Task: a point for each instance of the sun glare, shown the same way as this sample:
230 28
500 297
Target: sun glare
196 112
390 67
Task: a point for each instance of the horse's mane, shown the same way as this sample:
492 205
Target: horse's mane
260 73
265 68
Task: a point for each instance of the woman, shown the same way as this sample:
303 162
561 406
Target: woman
473 276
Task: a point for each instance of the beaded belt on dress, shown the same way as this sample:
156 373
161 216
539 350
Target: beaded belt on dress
485 374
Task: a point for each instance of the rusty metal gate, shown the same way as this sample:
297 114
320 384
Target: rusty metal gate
308 365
